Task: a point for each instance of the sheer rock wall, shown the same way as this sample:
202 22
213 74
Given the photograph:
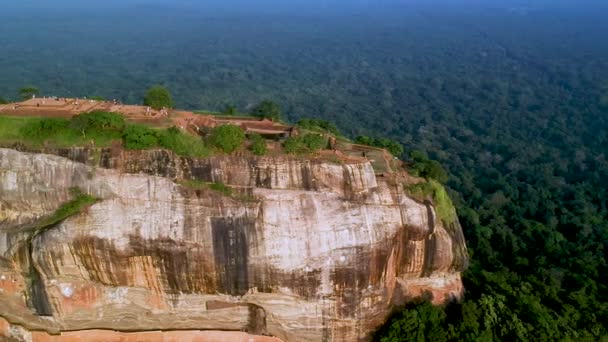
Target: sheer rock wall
303 250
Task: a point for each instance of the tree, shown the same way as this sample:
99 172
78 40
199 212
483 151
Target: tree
3 100
227 138
364 140
427 168
138 137
97 121
418 322
267 110
28 92
158 97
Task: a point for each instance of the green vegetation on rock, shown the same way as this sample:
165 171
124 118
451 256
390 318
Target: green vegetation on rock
99 128
258 145
227 138
319 125
98 121
306 143
76 205
138 137
218 187
183 144
394 147
434 191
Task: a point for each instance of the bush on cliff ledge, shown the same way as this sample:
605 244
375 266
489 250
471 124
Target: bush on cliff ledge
258 145
227 138
434 191
305 143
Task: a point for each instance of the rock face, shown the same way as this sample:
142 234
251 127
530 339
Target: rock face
303 250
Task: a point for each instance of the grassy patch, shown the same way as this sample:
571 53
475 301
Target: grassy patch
36 132
73 207
221 188
10 128
304 144
183 144
436 192
102 129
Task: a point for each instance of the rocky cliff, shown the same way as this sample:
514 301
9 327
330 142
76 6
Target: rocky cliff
299 249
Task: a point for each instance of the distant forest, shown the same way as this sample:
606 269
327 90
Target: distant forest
512 102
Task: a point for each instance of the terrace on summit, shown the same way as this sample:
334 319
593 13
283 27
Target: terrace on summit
201 124
190 121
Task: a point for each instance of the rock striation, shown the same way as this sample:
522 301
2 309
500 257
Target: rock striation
298 249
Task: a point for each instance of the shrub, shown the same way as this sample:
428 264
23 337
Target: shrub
305 144
258 147
158 97
183 144
319 125
394 147
44 128
227 138
294 145
76 205
314 141
3 100
230 110
28 92
221 188
138 137
444 208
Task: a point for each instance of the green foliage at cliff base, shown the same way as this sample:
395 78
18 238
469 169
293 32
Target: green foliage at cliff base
433 190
